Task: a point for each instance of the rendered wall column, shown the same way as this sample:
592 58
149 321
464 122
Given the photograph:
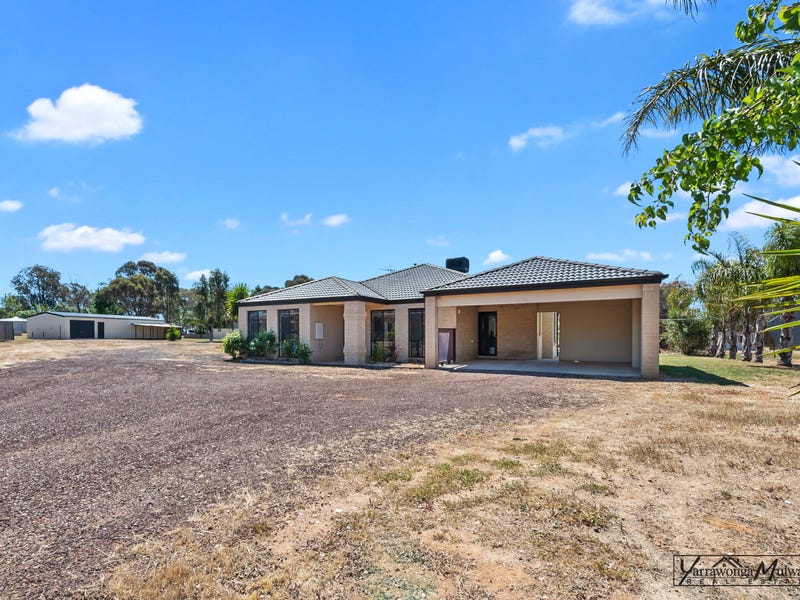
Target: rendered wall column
650 330
355 332
636 333
306 333
401 333
431 334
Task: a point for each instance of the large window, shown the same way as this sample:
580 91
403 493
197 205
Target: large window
382 333
288 324
256 322
416 333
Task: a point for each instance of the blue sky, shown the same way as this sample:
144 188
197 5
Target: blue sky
269 139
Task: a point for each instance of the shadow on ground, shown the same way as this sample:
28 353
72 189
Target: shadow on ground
685 373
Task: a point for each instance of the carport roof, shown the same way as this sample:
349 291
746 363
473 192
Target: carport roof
540 272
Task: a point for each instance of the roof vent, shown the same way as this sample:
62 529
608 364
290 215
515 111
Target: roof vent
460 264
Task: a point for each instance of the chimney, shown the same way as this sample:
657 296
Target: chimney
460 264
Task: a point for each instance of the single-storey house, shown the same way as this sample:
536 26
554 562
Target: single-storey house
58 325
538 308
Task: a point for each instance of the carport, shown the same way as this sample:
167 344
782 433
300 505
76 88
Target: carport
549 315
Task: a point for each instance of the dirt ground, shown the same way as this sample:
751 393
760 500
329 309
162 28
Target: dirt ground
107 443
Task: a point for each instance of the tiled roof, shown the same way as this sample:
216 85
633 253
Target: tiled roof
97 316
407 284
397 286
542 273
319 289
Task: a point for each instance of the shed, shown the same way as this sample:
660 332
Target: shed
20 325
6 332
66 325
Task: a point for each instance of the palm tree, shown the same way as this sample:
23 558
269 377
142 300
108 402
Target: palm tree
780 244
714 82
720 284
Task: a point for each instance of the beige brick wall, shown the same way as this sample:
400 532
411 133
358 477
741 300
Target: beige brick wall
467 333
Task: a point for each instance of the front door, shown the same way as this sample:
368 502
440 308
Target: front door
487 334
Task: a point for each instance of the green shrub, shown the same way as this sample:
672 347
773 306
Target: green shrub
173 334
292 347
687 334
378 353
235 345
263 344
304 353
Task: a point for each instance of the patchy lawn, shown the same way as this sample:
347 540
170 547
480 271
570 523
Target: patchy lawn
158 470
588 502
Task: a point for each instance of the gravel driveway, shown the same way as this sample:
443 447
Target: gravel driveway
103 442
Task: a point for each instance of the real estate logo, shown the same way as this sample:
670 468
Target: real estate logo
738 570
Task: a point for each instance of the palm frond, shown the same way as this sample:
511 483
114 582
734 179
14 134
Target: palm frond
710 85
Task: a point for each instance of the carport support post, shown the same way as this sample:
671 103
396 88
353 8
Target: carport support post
650 324
355 333
431 334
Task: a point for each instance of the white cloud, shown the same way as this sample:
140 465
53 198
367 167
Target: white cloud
740 219
650 132
543 136
676 216
53 192
164 257
10 206
615 118
440 241
230 223
195 275
496 256
621 256
68 236
335 220
306 220
622 189
784 171
595 12
86 113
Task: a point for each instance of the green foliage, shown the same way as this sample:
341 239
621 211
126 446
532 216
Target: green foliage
292 347
235 345
759 111
263 344
173 334
39 288
140 288
297 280
687 333
377 353
240 291
211 300
304 353
10 305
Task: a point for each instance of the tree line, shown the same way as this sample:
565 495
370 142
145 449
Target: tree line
709 314
141 289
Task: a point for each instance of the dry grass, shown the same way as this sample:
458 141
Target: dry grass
586 504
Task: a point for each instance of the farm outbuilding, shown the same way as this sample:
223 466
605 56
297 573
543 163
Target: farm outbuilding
57 325
20 325
6 332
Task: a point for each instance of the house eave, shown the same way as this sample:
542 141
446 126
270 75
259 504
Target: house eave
656 278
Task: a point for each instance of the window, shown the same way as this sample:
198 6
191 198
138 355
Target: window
288 325
256 322
383 331
416 333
